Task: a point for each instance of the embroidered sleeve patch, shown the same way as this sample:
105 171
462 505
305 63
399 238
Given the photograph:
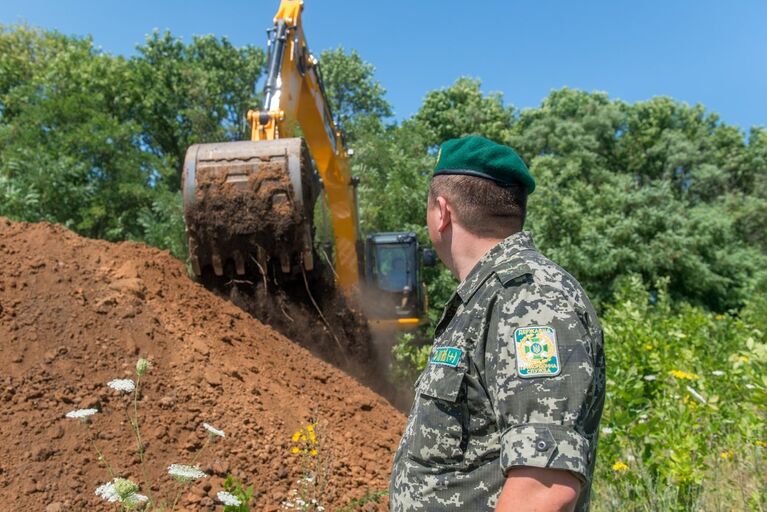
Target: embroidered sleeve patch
537 353
449 356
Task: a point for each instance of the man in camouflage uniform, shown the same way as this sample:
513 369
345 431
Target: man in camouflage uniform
507 410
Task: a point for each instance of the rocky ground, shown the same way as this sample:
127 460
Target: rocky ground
76 313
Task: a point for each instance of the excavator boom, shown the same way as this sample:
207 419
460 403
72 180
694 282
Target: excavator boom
249 205
255 199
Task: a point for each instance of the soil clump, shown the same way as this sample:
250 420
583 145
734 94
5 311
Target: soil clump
76 313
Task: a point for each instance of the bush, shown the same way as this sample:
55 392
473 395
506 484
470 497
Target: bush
683 427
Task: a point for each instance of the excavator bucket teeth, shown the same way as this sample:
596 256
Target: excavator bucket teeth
247 200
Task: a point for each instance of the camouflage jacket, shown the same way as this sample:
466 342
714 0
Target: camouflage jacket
516 377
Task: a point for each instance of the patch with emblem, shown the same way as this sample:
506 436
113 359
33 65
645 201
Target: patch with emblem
449 356
537 353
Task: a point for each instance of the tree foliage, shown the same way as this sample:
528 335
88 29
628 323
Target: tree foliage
658 189
654 188
96 142
355 96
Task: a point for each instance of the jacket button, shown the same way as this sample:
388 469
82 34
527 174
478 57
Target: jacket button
541 445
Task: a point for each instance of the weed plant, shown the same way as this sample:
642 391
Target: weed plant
126 493
307 445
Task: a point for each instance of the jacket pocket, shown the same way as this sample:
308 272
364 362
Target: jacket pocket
439 434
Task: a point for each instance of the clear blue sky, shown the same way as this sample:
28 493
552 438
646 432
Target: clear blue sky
697 51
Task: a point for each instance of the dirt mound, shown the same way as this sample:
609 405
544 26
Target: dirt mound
76 313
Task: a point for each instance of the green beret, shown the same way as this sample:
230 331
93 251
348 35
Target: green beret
478 156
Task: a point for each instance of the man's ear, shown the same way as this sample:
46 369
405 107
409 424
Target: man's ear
445 214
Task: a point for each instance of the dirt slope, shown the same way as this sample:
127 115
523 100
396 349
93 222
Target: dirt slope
76 313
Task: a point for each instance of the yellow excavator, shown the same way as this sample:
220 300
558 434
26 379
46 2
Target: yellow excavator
249 206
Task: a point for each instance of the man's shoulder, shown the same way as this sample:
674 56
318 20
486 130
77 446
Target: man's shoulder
531 276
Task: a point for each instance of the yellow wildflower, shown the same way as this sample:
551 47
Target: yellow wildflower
763 444
726 455
743 359
312 437
310 427
296 436
294 450
620 467
648 347
679 374
313 452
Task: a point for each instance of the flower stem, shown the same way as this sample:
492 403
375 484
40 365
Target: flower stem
194 460
134 421
92 439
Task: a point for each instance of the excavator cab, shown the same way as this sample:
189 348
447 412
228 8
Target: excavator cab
393 284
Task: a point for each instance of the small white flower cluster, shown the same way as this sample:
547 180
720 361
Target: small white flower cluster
607 431
81 414
650 378
107 492
122 385
298 503
185 473
123 491
213 430
228 499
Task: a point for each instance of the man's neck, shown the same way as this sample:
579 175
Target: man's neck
468 250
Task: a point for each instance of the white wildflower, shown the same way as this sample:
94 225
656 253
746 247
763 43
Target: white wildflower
750 386
124 385
121 490
650 378
80 414
228 499
607 431
213 430
697 396
107 492
717 373
185 473
135 499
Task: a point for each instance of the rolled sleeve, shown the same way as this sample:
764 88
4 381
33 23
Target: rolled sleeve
545 446
541 417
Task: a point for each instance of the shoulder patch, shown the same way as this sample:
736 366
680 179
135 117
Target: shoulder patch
449 356
537 351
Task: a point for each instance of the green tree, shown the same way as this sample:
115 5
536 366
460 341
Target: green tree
642 189
69 135
355 96
192 93
462 109
96 142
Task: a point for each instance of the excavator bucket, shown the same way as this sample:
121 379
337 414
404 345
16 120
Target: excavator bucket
248 205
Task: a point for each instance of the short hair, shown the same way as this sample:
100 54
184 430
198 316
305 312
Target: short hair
482 206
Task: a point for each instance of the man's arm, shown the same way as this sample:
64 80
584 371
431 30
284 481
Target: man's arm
529 489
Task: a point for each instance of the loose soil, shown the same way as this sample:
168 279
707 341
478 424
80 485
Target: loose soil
76 313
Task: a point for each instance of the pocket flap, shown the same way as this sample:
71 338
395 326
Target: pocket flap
439 381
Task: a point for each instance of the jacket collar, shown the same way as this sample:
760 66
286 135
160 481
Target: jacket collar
496 256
